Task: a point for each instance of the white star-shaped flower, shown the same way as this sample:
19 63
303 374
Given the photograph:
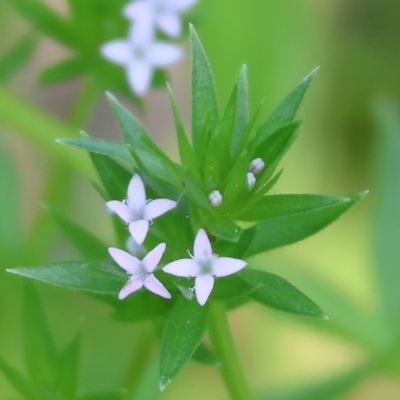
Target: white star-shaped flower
141 272
136 212
204 266
140 57
163 14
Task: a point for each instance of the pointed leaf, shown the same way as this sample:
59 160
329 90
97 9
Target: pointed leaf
276 292
64 70
204 355
283 230
204 102
286 110
185 327
96 276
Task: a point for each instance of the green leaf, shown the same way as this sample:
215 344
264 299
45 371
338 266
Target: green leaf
21 384
223 228
39 348
46 21
117 151
17 57
96 276
281 230
114 395
387 224
276 292
10 224
286 110
88 245
185 327
204 101
64 70
204 355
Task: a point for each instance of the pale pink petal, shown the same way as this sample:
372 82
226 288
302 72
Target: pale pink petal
158 207
152 259
203 287
135 10
136 195
202 247
125 260
163 54
139 229
139 76
155 286
224 266
117 51
131 286
121 209
169 23
141 33
181 5
185 267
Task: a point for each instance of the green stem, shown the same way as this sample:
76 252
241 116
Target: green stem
41 129
224 347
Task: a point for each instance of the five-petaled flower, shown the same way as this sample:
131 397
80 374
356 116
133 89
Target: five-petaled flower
136 212
141 272
204 266
163 14
140 55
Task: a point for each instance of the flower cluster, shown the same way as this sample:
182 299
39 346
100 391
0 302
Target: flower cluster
203 265
140 52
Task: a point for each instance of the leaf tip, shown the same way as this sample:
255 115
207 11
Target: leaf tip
163 383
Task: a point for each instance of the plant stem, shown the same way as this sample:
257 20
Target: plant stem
224 347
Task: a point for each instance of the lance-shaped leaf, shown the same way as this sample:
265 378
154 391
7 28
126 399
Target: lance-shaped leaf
204 101
185 327
64 70
286 110
96 276
281 230
387 225
276 292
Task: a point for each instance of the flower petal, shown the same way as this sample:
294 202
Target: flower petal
136 195
131 286
117 51
224 266
142 32
139 76
163 54
185 267
138 230
169 23
203 286
158 207
202 247
121 209
125 260
155 286
152 259
135 249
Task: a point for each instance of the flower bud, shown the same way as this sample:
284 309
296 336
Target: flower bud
215 198
256 166
251 180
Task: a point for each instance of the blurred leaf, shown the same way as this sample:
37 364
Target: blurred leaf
204 101
96 276
64 70
286 229
276 292
10 224
46 20
204 355
387 228
286 110
115 395
88 245
185 327
17 57
148 386
39 348
334 388
21 384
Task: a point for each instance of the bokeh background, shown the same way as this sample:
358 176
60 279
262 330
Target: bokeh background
356 43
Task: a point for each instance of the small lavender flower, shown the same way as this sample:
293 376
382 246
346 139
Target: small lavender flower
163 14
215 198
204 266
140 272
140 55
136 212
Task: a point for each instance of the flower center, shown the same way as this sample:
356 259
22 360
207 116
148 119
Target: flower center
139 52
205 267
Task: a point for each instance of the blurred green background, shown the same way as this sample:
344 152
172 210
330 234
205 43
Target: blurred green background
356 43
